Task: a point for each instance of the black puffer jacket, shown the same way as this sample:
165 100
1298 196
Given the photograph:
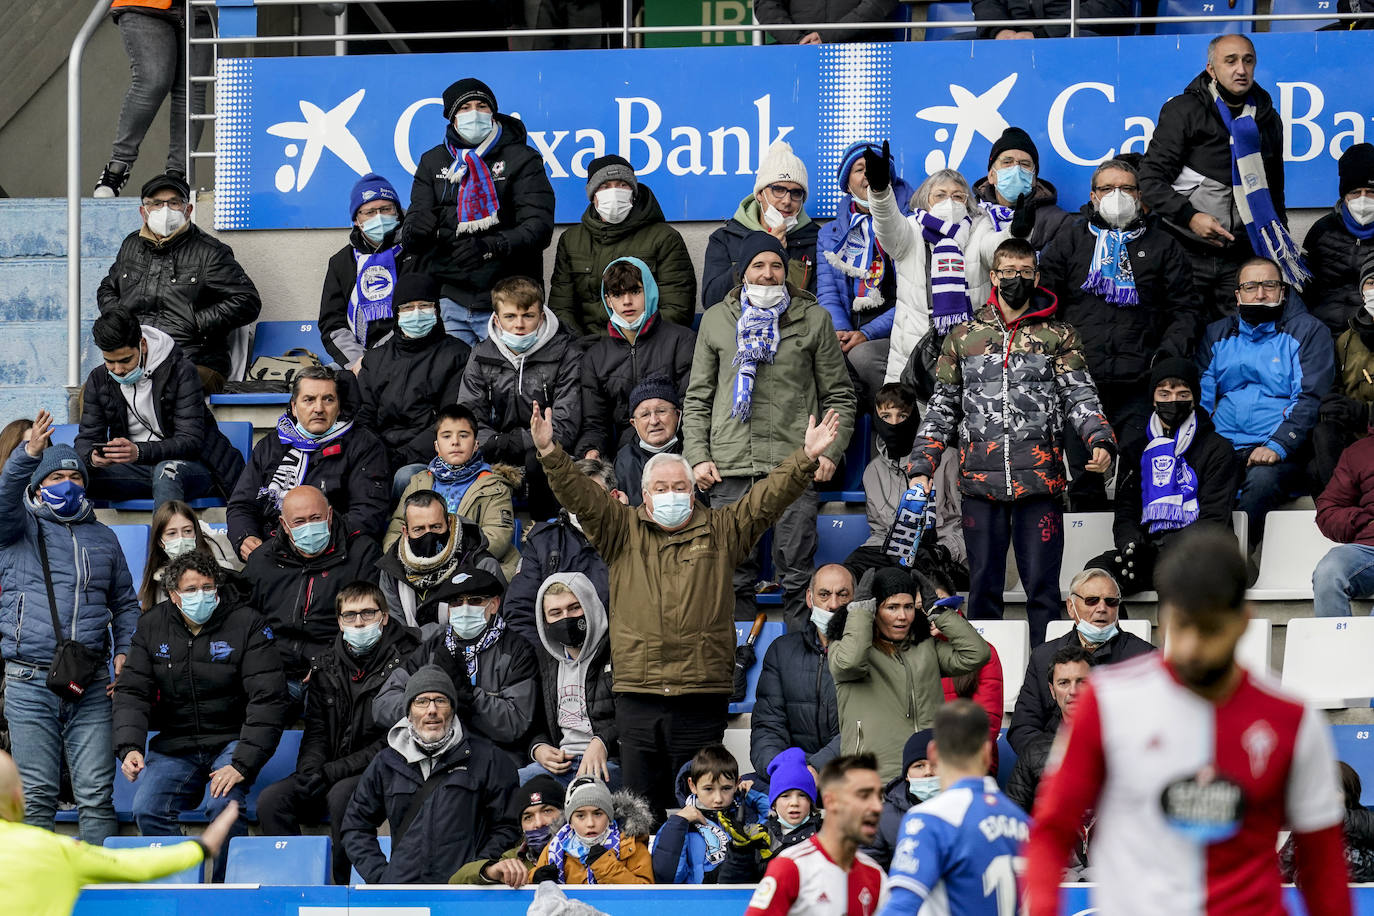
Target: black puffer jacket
1030 766
341 735
612 367
795 705
1335 257
201 691
296 593
896 803
340 276
403 384
188 285
1121 342
1050 218
189 431
352 473
525 217
551 547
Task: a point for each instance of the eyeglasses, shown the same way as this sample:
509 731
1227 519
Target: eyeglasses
439 703
1026 274
1109 188
1092 600
207 590
658 413
176 204
777 190
1004 161
378 210
367 615
1269 286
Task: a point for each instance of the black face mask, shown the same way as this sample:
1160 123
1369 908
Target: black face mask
1258 313
569 631
897 438
1016 292
1173 413
428 544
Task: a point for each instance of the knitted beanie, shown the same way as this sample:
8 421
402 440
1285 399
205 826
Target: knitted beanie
541 790
755 244
609 168
464 91
780 164
588 791
917 748
655 386
415 287
1356 168
429 679
58 458
788 771
1018 139
1179 368
367 189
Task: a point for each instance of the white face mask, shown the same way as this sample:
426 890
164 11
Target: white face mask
1361 210
949 210
821 618
764 297
165 221
774 218
613 204
1369 302
1118 209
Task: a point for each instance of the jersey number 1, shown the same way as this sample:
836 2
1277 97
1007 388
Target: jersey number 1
1000 878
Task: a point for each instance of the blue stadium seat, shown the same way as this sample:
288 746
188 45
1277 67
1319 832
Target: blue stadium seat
281 765
63 434
1291 7
771 631
515 535
385 843
1355 746
1217 8
133 540
193 875
292 860
240 435
950 11
850 475
274 338
838 535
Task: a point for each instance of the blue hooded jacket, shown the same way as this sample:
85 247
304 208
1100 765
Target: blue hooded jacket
687 854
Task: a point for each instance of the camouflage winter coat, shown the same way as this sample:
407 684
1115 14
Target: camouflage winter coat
1004 393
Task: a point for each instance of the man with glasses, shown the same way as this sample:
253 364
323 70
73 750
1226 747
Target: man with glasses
174 276
1019 202
203 673
655 415
1094 606
341 736
1265 371
1126 287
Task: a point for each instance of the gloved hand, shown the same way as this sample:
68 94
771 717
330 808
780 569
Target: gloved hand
466 253
878 169
1344 411
544 873
311 783
456 668
864 590
493 245
593 853
508 447
1023 217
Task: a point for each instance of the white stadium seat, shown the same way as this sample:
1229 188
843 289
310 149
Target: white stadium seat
1011 639
1326 660
1293 545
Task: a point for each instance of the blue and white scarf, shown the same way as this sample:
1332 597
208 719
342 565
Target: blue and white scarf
471 650
567 841
1250 188
477 202
861 258
372 290
453 482
1111 276
292 467
1001 216
756 341
1168 486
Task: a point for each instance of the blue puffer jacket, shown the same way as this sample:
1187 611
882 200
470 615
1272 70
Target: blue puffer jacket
1264 385
833 287
87 564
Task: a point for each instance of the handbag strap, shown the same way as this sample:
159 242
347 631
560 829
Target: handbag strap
418 802
47 580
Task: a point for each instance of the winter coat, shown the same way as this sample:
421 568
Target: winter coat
465 818
1189 133
884 484
188 285
885 699
525 217
1050 218
629 470
296 593
1022 10
807 377
1036 711
1007 393
1264 385
403 384
598 682
785 12
901 237
341 735
1210 456
200 691
1120 342
896 803
834 290
488 501
1030 766
340 276
687 853
612 367
189 431
588 248
795 703
1359 848
90 578
723 272
983 687
351 472
1335 258
551 547
415 609
1345 509
633 864
471 873
672 603
1354 374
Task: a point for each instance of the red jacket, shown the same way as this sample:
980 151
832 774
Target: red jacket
987 693
1345 509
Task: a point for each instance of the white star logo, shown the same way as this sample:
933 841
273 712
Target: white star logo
320 130
970 114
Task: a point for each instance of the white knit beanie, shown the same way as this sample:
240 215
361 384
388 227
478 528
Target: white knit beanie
780 164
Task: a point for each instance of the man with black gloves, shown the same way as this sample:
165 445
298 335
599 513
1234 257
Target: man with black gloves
481 208
341 735
1019 202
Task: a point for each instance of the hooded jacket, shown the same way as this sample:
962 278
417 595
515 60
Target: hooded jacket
466 818
795 703
488 501
633 864
1005 393
188 285
403 384
588 248
551 547
524 218
723 271
1050 218
589 674
170 395
687 853
90 578
884 484
1345 509
807 378
833 287
1189 134
1335 258
469 547
1264 385
200 691
340 276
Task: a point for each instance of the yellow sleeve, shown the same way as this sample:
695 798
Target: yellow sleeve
97 865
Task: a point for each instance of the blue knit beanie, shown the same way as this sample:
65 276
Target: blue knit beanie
788 771
369 188
851 156
58 458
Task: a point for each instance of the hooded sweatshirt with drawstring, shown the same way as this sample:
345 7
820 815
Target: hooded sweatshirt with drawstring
578 700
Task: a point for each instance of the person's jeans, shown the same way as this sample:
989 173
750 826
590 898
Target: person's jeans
468 325
401 479
1347 571
1264 486
1034 527
794 552
170 784
565 779
156 48
163 481
659 734
282 808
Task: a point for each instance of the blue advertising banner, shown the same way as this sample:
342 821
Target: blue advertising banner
294 133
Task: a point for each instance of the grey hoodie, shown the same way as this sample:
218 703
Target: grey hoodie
403 742
573 717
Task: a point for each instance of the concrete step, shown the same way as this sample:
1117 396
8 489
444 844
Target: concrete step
33 310
37 227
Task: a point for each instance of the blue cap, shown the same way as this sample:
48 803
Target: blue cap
369 188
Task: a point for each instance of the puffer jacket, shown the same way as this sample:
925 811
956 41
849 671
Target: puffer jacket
340 276
1189 133
896 803
488 501
632 864
1030 766
415 609
795 703
1345 509
885 699
587 249
91 580
786 12
902 238
1006 393
834 290
1120 343
403 384
1352 391
598 681
1335 256
1264 385
807 377
723 272
551 547
188 285
200 691
1050 218
524 218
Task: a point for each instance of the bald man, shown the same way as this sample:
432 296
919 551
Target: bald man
41 873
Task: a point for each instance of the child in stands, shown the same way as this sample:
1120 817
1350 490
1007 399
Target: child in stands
792 814
716 835
605 841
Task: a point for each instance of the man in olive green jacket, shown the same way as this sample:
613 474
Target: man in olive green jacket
747 404
672 611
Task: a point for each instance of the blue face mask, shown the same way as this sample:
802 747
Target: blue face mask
1096 635
66 498
1013 181
672 509
376 227
537 839
473 126
360 639
519 343
467 620
177 546
629 325
309 435
923 788
199 606
310 538
133 378
417 322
